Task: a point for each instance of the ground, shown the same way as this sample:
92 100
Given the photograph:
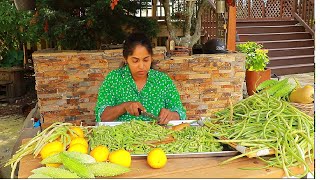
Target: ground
12 116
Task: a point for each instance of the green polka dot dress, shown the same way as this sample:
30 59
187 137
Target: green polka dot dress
159 92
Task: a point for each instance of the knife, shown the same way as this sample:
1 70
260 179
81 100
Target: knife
150 115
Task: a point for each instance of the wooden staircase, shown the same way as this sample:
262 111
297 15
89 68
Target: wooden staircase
291 48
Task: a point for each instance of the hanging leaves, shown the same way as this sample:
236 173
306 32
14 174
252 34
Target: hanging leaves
113 3
231 2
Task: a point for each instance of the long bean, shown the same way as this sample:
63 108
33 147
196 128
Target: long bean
260 118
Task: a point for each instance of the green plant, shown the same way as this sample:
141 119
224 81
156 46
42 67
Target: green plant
257 58
12 58
87 24
16 29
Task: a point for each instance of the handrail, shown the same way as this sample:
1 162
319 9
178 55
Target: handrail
304 13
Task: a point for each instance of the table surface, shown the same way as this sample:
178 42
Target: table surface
207 167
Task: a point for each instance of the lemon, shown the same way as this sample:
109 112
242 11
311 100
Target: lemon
120 157
50 148
78 148
77 132
100 153
79 140
157 158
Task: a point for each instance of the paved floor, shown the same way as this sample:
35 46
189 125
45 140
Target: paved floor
303 79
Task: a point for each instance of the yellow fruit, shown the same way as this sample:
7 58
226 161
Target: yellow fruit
100 153
79 140
53 165
157 158
77 132
50 148
120 157
78 148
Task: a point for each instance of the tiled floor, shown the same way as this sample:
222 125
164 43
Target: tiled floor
303 79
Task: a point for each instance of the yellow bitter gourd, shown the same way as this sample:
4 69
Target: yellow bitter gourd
75 166
105 169
83 158
55 172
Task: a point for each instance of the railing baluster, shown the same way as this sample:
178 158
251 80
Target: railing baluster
249 8
281 8
294 8
304 10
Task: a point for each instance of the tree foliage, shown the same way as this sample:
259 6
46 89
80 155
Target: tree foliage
15 29
87 24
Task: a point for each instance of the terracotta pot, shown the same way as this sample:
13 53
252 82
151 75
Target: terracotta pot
254 78
25 4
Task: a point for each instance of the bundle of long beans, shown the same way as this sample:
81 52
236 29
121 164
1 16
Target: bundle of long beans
264 122
34 146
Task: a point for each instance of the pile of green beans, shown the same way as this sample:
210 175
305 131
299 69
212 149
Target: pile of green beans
128 135
135 136
264 122
191 140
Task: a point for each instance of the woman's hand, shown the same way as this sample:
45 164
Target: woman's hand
166 115
132 107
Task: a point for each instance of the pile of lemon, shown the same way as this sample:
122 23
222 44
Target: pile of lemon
156 157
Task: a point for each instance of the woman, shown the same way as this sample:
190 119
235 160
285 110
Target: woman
136 86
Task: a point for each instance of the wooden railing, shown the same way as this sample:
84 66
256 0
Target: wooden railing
304 13
301 10
264 9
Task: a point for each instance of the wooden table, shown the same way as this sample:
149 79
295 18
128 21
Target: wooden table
185 168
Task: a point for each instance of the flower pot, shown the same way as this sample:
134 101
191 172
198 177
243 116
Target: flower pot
254 78
22 5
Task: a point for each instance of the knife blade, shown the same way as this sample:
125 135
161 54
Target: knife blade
150 115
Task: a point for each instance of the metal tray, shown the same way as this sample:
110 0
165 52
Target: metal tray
226 152
192 155
173 123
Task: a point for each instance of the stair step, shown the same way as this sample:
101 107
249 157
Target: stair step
292 69
269 29
285 43
290 60
241 23
274 36
291 51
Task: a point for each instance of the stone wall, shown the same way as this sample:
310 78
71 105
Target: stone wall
67 82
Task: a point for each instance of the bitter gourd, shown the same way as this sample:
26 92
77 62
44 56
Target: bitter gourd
105 169
283 92
83 158
266 84
39 176
55 172
75 166
281 84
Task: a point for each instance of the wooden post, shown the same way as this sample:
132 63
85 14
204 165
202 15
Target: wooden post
25 58
232 31
154 16
154 9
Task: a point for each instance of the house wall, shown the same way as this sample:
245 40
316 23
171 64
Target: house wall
67 82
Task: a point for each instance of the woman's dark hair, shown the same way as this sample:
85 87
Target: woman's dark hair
133 40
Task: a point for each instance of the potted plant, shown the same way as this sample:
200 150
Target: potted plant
256 62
